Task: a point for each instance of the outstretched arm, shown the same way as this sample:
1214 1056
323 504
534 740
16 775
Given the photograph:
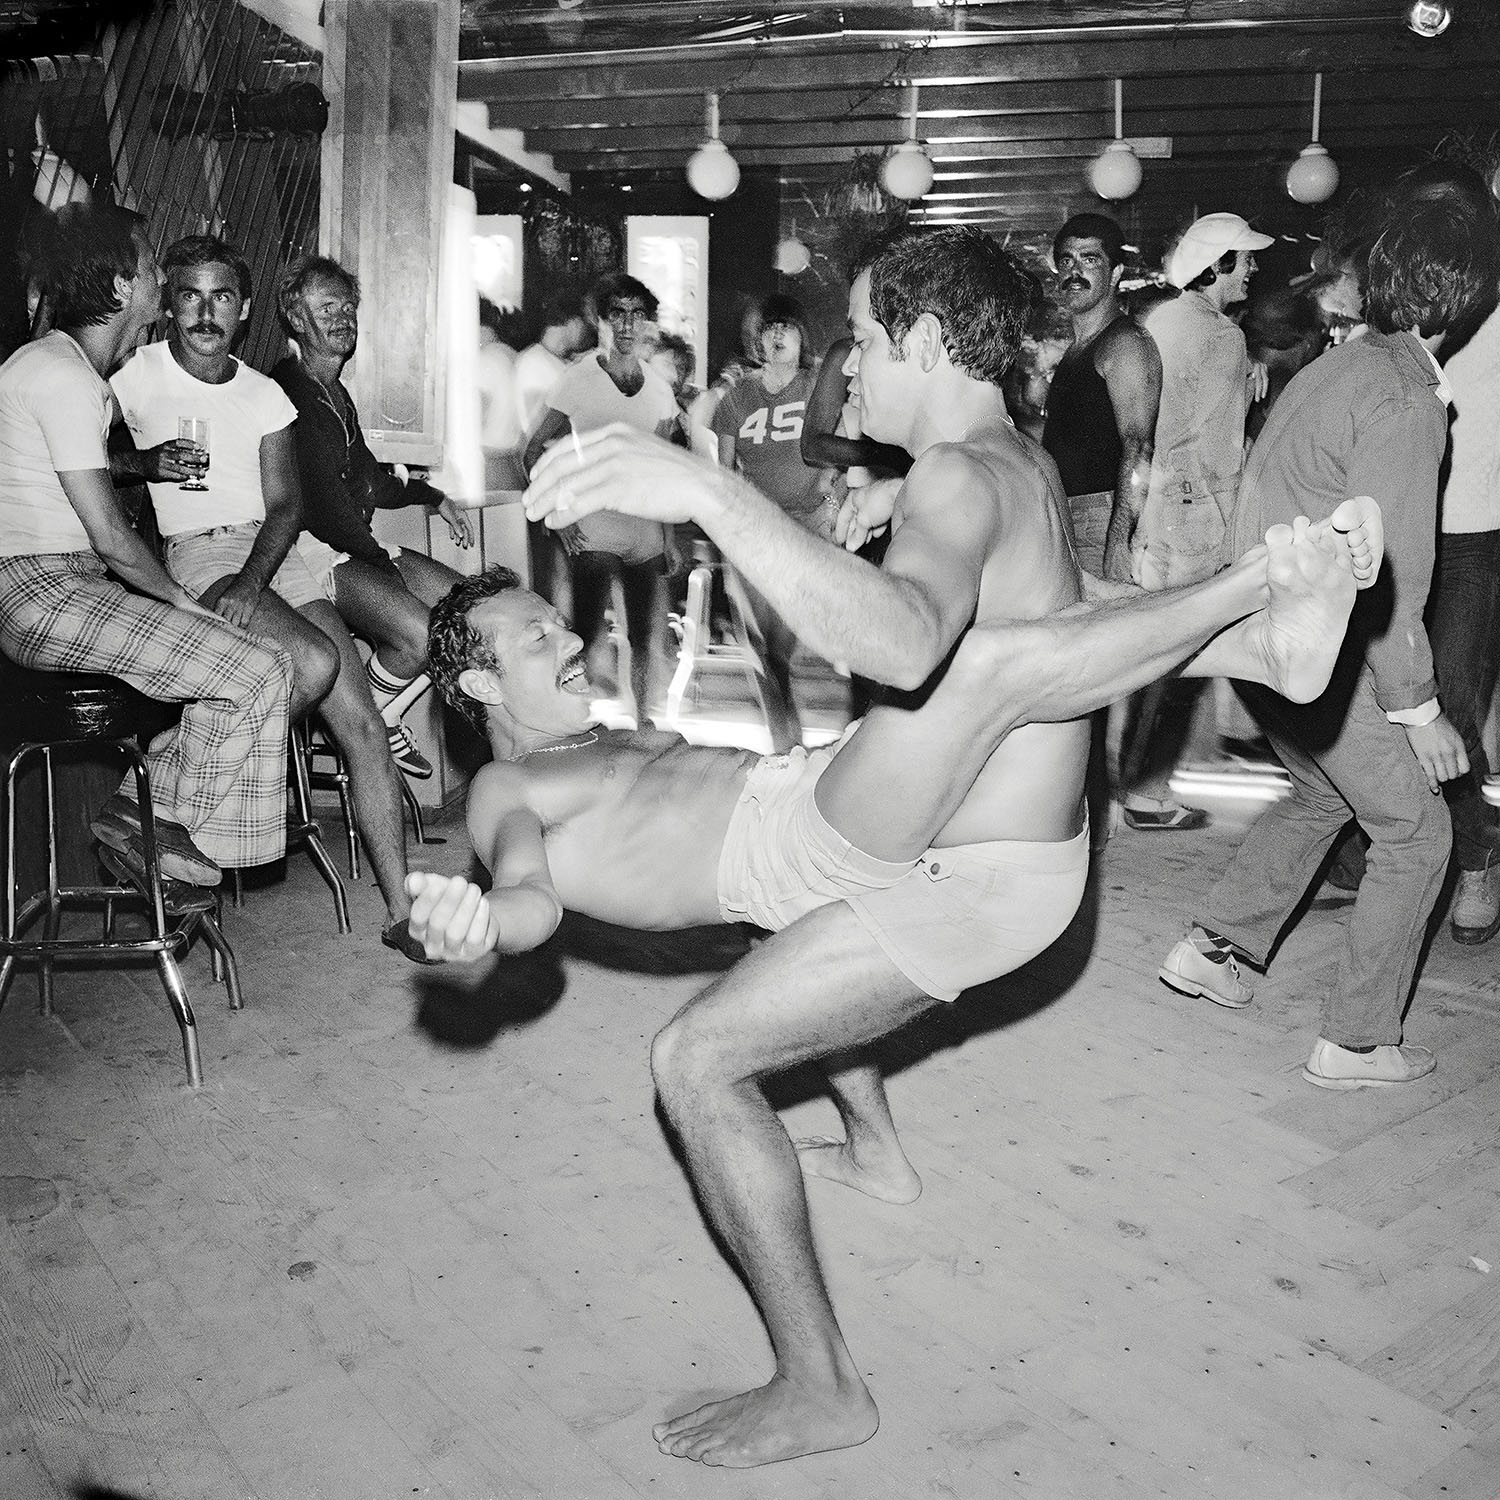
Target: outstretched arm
453 918
893 624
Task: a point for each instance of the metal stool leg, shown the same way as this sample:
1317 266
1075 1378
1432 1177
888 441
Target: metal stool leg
309 832
225 967
351 833
415 809
54 905
171 978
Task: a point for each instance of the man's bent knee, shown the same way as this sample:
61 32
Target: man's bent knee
683 1063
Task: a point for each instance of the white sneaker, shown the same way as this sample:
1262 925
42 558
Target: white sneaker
1333 1067
1190 971
1475 917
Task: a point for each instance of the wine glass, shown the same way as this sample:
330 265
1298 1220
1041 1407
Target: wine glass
194 430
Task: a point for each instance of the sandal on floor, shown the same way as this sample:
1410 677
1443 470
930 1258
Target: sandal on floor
1165 817
398 936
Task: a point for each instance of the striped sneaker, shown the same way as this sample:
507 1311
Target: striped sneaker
409 760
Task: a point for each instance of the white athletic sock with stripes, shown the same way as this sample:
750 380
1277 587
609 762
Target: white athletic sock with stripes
394 695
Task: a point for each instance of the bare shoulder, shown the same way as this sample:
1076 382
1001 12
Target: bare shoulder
1125 342
497 790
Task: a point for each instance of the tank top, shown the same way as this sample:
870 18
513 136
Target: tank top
1081 433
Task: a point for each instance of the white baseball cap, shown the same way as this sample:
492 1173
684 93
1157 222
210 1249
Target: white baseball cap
1205 240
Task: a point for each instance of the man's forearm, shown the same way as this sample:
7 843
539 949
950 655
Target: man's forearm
846 609
272 543
1131 485
126 466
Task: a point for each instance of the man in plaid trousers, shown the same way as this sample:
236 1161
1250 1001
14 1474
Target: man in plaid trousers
81 592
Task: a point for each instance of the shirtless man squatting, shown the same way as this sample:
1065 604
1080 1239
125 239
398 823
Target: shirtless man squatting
979 766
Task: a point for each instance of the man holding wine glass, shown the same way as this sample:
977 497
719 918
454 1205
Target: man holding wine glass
229 533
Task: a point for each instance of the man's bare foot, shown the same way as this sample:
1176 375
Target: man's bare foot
1361 526
775 1422
888 1176
1299 633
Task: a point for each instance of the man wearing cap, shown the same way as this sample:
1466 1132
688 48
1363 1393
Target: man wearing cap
1182 535
1205 392
1367 418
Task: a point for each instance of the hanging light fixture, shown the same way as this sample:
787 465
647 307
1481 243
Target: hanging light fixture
907 171
1314 176
1116 172
1429 18
792 256
711 171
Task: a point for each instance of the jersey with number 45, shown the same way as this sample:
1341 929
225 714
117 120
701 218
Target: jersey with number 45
767 430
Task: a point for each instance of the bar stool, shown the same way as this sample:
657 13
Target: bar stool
303 829
333 776
52 711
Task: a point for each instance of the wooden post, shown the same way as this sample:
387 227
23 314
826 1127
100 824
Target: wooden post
390 73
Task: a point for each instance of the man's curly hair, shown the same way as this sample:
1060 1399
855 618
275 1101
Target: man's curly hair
980 293
453 645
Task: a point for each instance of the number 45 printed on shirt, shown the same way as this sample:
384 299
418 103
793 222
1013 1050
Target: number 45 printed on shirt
785 424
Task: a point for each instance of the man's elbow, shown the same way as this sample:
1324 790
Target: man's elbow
913 666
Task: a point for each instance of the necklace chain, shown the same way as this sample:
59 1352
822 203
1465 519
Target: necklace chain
593 739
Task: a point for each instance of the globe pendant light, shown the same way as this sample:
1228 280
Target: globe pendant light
711 171
1314 176
1429 18
1116 172
792 256
907 171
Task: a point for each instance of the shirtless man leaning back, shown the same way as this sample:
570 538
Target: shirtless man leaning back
976 773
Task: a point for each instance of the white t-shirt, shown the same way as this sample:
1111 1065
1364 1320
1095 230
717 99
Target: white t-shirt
154 391
590 399
55 415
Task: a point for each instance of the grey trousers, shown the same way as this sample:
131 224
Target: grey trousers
1355 765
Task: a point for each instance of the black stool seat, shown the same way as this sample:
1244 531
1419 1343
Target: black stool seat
57 706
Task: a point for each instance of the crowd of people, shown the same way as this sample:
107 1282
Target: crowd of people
266 561
880 509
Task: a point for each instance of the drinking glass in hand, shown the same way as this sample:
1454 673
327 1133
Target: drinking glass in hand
194 430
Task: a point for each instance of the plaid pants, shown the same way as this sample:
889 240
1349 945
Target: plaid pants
221 771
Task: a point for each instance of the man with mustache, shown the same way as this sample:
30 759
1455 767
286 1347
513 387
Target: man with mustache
80 591
381 592
230 544
1101 406
1101 433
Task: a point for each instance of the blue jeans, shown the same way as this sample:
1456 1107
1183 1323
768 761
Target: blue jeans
1464 627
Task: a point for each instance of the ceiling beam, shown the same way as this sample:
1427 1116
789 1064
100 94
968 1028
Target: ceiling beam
1124 52
942 102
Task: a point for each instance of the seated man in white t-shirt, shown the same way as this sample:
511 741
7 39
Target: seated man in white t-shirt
81 592
229 512
616 385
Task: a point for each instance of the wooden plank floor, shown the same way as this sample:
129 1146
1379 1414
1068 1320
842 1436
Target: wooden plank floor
421 1232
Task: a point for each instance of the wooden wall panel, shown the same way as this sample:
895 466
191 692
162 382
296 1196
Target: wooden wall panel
390 74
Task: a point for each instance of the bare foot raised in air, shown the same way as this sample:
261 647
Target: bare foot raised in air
1361 526
883 1174
777 1421
1297 636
